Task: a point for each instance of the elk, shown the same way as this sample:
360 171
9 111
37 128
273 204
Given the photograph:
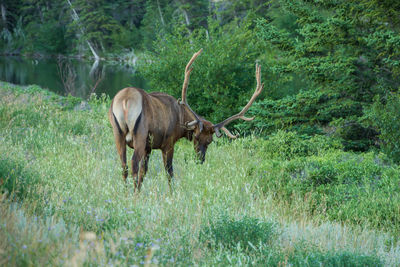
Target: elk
145 121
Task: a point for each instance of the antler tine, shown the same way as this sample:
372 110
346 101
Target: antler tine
240 115
229 134
188 69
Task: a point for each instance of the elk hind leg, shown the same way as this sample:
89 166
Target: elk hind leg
121 148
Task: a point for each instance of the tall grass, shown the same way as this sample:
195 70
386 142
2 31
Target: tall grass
63 201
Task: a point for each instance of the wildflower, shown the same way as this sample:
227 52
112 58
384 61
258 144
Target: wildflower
24 247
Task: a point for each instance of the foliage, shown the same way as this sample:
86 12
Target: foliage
15 179
219 86
313 257
306 112
340 49
48 38
289 145
94 24
12 41
45 29
246 232
340 186
384 114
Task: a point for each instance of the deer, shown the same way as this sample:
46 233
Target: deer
145 121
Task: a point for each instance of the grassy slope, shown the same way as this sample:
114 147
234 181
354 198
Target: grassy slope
70 206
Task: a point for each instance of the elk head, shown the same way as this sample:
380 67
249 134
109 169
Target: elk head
203 130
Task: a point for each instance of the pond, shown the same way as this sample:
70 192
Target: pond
70 76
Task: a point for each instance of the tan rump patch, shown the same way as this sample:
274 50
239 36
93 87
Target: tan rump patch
127 108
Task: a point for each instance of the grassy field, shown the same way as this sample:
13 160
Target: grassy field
285 201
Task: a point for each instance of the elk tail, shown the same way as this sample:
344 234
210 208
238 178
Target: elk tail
128 137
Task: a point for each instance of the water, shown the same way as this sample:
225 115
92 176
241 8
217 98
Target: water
70 76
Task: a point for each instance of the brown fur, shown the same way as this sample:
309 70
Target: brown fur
162 123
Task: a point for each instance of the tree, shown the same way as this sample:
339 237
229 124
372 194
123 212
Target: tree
93 23
338 48
44 25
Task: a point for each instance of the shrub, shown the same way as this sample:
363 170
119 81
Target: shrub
301 254
385 116
338 185
315 257
229 232
288 145
15 179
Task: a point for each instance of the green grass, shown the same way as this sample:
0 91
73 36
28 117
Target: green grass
252 202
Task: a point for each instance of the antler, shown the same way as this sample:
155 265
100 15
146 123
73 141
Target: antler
240 115
188 69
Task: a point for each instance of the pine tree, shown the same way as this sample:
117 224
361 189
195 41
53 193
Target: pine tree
93 23
348 50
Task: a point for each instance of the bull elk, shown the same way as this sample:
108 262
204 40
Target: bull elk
146 121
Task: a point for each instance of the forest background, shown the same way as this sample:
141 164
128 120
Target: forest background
330 67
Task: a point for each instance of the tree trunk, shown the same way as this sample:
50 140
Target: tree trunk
4 16
185 14
76 18
161 16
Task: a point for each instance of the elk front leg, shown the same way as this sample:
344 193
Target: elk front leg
168 155
144 164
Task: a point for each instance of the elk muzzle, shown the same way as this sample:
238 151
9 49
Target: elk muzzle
201 154
200 151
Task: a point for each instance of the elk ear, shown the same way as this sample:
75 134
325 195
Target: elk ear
191 125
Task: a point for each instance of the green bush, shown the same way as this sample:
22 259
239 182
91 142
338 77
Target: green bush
301 254
315 257
229 232
288 145
384 114
339 186
15 178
